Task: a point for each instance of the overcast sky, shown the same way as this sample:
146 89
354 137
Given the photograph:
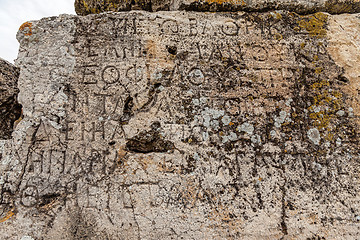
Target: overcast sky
13 13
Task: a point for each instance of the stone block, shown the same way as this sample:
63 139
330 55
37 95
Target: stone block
185 125
85 7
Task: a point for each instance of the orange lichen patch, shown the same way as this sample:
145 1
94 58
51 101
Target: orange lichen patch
329 137
314 25
320 84
86 5
7 217
326 102
318 70
321 119
235 2
27 27
278 15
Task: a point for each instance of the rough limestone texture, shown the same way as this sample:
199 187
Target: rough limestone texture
10 110
85 7
176 125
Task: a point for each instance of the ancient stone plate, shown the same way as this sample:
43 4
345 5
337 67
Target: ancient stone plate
176 125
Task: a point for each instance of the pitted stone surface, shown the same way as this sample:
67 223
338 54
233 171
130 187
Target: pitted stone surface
85 7
176 125
10 110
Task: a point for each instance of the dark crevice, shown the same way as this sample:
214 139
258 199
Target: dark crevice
127 112
172 49
10 112
343 79
48 198
150 141
10 109
284 228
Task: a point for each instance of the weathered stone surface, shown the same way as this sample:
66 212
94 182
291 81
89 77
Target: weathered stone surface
85 7
10 110
93 6
176 125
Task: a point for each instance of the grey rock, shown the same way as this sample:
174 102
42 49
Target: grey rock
85 7
185 125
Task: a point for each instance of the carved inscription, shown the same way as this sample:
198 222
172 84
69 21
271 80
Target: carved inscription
213 122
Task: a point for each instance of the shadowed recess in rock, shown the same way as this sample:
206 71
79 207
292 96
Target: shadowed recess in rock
10 109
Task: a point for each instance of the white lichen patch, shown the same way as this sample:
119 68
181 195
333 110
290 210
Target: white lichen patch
316 109
196 157
214 124
338 142
288 102
314 136
200 101
209 115
26 238
226 120
280 119
247 128
196 102
205 136
256 139
340 113
273 133
231 137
